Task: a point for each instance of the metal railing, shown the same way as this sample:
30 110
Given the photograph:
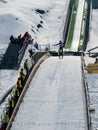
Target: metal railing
86 93
29 78
42 48
89 51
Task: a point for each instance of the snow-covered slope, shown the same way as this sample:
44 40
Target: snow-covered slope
93 35
19 16
55 98
42 19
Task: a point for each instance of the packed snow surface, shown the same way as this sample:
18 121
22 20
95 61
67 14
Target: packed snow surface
55 98
19 16
78 23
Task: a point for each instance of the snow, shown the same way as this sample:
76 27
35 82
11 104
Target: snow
93 30
27 18
92 79
78 23
19 16
93 36
52 94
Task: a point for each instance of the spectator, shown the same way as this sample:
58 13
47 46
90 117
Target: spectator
19 39
60 44
12 39
26 66
22 75
19 85
5 120
11 105
30 52
96 60
16 94
31 41
29 38
46 49
36 46
26 36
21 43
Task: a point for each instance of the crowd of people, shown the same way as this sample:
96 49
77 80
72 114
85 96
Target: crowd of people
27 37
17 90
21 39
24 72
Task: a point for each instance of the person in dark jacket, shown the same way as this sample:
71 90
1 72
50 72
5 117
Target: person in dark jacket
60 52
60 44
11 105
19 85
16 94
22 76
12 39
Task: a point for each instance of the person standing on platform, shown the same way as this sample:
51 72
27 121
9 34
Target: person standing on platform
19 85
5 120
60 52
16 95
26 66
22 76
11 105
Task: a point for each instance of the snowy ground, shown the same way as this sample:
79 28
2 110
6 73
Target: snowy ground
93 78
93 36
19 16
56 103
78 23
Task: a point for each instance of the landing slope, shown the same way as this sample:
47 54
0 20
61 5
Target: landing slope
55 98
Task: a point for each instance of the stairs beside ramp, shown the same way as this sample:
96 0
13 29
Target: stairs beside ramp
12 58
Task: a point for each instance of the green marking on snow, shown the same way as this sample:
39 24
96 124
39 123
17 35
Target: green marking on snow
72 24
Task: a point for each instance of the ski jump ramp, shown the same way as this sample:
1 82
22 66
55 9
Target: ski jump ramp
55 99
